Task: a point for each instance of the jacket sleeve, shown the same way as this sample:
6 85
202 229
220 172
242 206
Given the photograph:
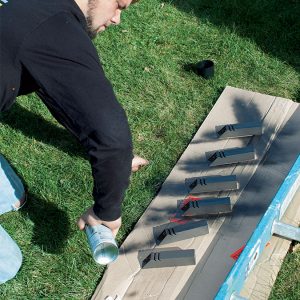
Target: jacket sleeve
64 63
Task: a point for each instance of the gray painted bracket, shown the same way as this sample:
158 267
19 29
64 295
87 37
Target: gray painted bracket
239 130
230 156
182 232
205 207
198 185
169 258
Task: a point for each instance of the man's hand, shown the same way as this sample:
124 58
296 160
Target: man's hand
91 219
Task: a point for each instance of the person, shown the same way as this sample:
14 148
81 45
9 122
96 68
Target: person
12 198
46 47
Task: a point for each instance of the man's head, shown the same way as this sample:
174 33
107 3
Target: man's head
102 13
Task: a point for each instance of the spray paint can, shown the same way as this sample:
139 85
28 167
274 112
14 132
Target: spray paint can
102 243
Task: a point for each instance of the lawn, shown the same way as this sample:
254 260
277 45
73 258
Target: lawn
255 46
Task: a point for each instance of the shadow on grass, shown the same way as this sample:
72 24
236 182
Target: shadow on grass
272 24
34 126
51 224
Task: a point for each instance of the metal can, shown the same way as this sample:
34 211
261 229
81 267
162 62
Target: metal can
102 243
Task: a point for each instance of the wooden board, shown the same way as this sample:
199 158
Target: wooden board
259 284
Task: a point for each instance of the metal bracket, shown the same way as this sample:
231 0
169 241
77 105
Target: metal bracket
198 185
182 232
230 156
170 258
239 130
206 207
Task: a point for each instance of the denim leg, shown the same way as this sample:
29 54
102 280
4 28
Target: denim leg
11 187
11 191
10 257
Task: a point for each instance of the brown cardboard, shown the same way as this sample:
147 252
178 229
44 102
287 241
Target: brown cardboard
125 279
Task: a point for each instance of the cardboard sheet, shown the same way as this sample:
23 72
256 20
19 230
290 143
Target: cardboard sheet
124 279
248 211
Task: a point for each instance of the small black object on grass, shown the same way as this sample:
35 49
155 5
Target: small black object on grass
205 68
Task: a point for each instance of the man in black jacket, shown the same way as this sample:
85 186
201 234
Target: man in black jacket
46 47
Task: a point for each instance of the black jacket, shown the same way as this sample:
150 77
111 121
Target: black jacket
44 47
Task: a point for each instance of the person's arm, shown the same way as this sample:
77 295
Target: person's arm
64 63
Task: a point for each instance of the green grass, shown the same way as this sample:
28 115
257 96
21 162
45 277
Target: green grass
254 46
287 285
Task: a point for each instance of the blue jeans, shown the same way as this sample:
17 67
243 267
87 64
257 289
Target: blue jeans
11 191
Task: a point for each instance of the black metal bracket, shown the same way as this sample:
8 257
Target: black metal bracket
198 185
206 207
230 156
169 258
239 130
174 233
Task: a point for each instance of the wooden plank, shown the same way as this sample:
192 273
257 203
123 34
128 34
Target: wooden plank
259 284
263 230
